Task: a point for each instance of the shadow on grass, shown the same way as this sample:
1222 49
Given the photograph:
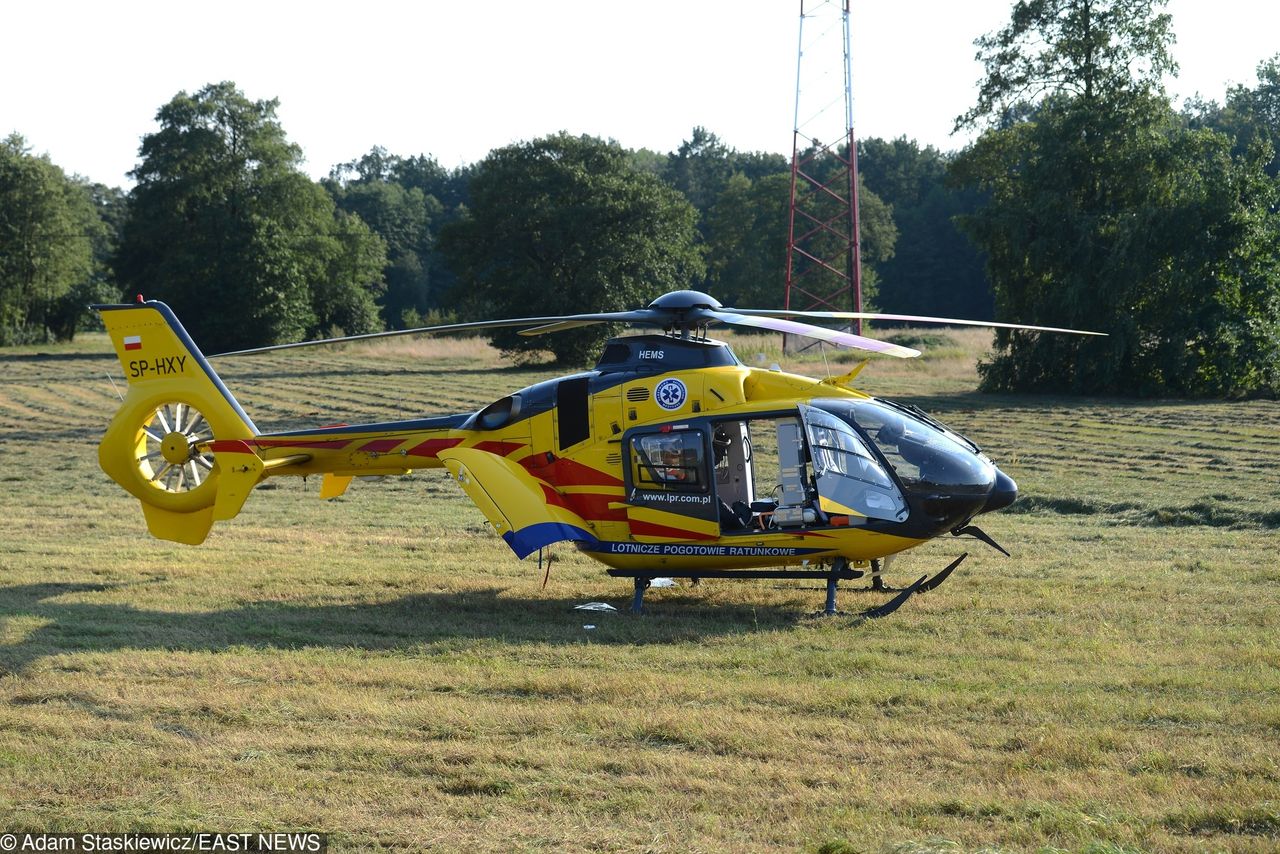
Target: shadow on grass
971 399
410 622
537 373
59 357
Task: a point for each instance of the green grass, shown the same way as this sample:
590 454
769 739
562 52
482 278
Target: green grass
381 668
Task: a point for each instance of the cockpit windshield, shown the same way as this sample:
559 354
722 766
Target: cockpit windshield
922 452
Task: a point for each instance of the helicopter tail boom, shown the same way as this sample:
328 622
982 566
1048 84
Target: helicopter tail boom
176 442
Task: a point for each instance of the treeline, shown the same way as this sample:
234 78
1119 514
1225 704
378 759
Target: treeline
1108 209
57 238
1095 204
224 226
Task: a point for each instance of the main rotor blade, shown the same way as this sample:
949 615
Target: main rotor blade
578 319
905 318
831 336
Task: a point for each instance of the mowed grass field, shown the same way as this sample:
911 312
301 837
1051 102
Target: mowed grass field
381 667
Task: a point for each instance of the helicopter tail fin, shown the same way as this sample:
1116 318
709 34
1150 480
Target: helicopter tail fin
160 445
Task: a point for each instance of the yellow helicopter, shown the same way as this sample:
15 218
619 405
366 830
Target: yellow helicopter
670 459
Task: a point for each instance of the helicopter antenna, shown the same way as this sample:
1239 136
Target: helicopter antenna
115 387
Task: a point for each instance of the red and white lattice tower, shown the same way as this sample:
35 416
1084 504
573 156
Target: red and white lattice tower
824 263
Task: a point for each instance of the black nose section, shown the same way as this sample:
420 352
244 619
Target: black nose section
1002 494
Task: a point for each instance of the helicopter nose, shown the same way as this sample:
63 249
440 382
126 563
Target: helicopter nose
1002 494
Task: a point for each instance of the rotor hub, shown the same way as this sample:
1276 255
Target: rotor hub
684 301
176 448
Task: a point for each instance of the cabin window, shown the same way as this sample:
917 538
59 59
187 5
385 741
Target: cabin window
499 413
573 411
672 461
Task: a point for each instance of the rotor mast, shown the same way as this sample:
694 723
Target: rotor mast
824 256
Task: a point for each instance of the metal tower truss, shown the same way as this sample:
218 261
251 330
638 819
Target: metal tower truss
824 263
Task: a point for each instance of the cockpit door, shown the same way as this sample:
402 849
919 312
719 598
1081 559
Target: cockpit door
850 480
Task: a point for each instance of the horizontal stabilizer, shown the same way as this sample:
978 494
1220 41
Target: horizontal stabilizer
334 485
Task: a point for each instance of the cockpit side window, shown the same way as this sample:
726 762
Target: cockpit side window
836 448
888 430
850 479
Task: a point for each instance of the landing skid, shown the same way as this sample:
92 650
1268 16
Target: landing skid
644 577
877 580
922 585
840 571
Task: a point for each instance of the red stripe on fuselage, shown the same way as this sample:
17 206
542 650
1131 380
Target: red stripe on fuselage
567 472
594 507
649 529
501 449
554 498
432 447
380 446
231 446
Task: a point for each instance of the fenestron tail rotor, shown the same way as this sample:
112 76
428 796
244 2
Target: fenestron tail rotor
173 453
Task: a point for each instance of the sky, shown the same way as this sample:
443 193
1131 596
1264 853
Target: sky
82 81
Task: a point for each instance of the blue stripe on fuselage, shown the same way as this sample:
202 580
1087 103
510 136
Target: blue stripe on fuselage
533 537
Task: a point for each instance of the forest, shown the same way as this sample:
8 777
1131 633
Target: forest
1088 200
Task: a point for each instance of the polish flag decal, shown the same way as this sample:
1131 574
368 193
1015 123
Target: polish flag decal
133 342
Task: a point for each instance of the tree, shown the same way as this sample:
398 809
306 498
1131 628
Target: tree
1251 116
935 269
1207 255
357 255
71 312
1175 261
47 230
402 218
565 225
1091 49
703 165
405 200
225 227
449 187
648 160
747 242
700 168
1107 213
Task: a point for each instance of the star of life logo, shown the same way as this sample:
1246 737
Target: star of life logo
670 394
